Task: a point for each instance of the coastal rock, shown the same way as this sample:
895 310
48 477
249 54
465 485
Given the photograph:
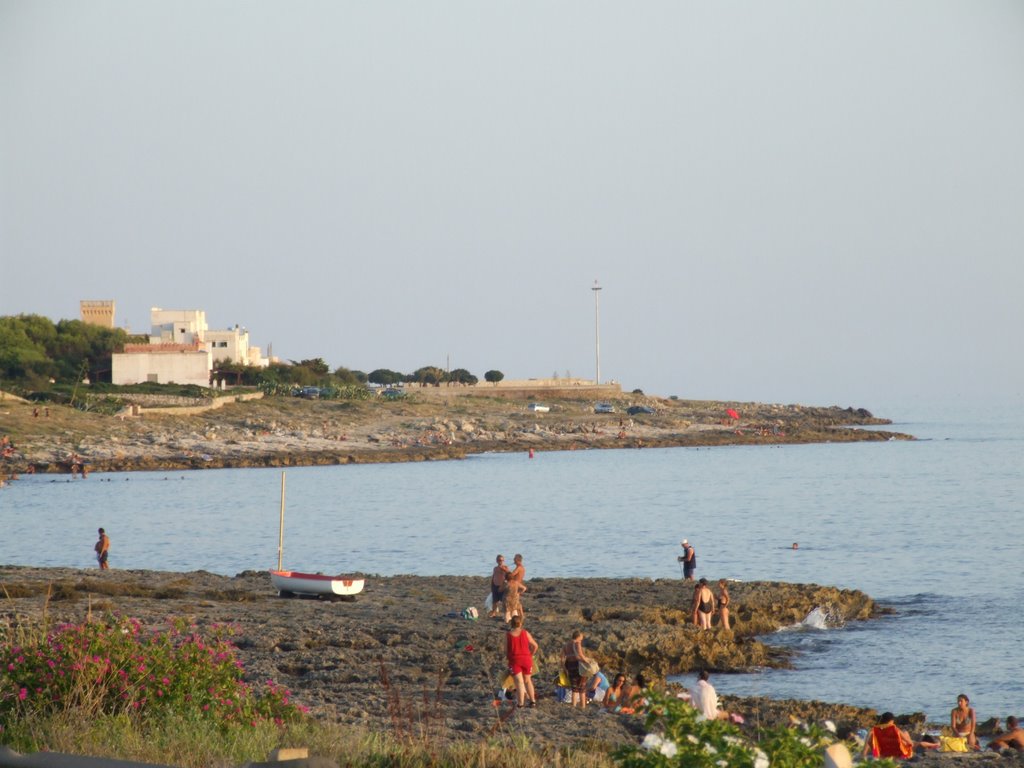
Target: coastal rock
404 643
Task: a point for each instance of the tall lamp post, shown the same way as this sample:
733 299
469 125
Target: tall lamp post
597 329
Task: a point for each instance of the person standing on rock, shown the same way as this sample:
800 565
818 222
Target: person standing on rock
514 587
689 560
573 656
723 603
102 550
519 649
704 604
498 577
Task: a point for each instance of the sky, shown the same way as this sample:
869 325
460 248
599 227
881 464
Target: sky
817 202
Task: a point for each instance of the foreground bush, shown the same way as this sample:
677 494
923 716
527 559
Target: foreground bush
678 736
115 667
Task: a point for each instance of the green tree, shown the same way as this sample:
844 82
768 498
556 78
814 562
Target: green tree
316 365
343 376
462 376
494 376
384 377
429 375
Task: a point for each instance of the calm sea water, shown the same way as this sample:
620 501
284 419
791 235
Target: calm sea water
927 527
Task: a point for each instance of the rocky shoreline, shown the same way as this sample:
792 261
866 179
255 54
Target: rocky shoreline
288 431
442 670
400 659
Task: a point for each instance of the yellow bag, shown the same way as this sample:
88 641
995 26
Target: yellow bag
508 682
563 678
952 744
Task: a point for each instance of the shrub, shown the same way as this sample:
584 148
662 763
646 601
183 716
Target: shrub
116 667
678 737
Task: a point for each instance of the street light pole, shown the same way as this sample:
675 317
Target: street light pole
597 329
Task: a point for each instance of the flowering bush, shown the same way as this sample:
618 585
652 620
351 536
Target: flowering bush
117 667
679 736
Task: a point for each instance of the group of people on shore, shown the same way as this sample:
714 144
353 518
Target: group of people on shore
507 587
705 604
586 682
887 739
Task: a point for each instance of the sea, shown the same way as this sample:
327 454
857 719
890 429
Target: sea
930 528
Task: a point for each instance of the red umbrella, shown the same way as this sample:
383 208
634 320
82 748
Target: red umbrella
732 414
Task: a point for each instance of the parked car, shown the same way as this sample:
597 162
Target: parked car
392 394
310 393
538 408
604 408
633 410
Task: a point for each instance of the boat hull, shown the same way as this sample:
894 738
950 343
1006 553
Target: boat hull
295 583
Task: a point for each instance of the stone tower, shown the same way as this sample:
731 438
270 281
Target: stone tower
97 313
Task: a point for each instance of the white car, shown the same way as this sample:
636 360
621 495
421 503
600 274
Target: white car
604 408
538 408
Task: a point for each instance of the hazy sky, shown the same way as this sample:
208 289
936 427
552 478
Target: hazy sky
817 202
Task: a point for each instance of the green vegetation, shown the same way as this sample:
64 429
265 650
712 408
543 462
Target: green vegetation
142 685
34 350
677 737
112 688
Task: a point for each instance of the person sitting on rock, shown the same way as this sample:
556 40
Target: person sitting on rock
613 696
705 699
632 698
888 740
597 687
1013 738
964 722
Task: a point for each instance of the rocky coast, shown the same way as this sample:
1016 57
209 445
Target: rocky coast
150 432
401 657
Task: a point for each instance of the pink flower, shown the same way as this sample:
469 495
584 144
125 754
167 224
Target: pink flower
23 694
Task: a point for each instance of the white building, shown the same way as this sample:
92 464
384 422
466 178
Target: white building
161 364
176 326
182 350
233 344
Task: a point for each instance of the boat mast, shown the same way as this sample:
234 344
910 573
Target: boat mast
280 532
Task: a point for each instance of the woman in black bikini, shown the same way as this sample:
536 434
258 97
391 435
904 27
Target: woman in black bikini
723 603
704 600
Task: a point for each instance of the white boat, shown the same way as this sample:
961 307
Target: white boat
289 583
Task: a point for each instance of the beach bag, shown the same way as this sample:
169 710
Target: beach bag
952 744
471 614
563 678
588 669
489 602
508 682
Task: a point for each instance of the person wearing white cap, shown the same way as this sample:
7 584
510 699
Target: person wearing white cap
689 560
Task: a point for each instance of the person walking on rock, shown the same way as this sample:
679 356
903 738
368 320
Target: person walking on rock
689 560
102 550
